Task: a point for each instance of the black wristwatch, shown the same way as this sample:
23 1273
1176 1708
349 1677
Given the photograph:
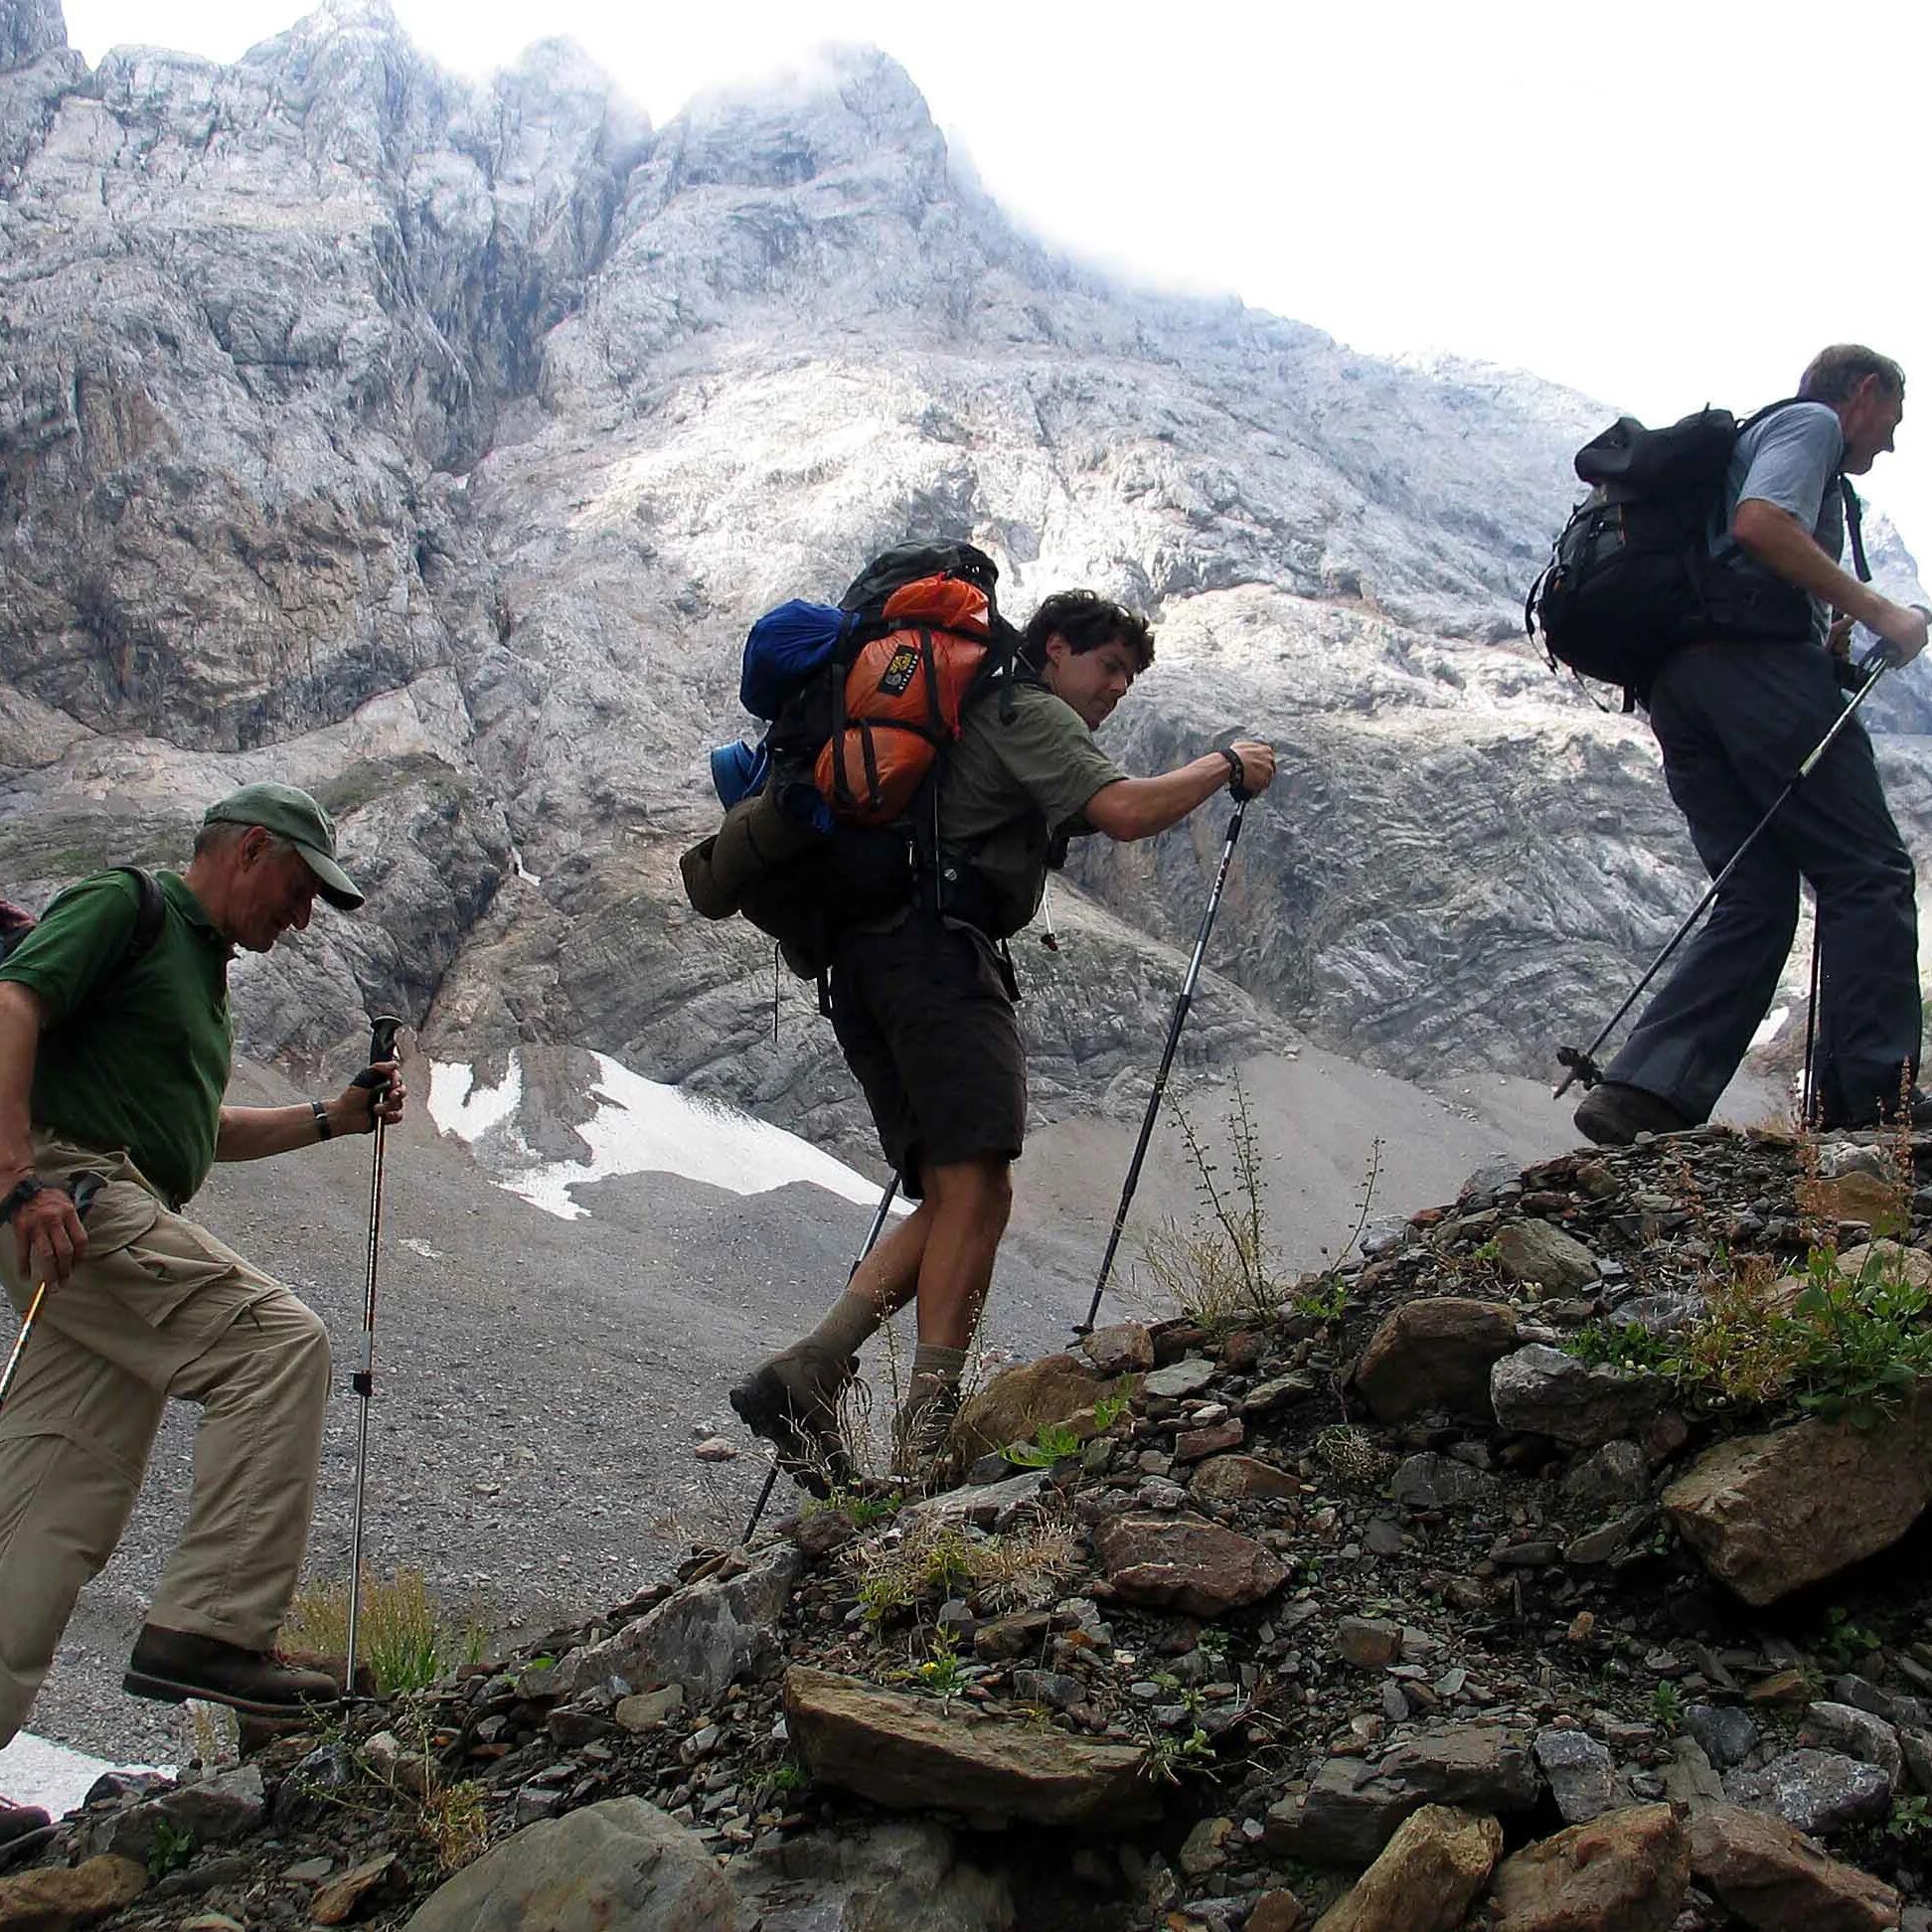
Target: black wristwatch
19 1194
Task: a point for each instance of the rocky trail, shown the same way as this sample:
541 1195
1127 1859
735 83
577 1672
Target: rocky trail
1477 1583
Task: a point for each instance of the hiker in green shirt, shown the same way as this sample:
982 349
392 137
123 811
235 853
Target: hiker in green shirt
116 1067
924 1009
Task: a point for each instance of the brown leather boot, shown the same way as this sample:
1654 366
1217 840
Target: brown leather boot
792 1401
176 1665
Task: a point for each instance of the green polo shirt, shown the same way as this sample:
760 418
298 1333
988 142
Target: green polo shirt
143 1068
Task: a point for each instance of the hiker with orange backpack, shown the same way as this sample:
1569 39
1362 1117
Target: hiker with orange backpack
922 996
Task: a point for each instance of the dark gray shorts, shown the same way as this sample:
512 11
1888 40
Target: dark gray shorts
926 1020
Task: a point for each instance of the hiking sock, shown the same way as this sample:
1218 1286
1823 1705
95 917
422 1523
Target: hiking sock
851 1320
942 1364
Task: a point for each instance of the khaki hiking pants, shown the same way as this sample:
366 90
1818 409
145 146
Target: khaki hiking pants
158 1308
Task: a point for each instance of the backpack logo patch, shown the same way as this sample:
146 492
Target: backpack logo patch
900 671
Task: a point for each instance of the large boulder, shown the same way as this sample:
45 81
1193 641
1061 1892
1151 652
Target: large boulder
1772 1513
1424 1878
1626 1871
915 1754
1432 1355
620 1862
701 1637
226 1805
1769 1875
1185 1564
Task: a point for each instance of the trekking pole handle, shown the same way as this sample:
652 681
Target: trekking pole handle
382 1048
83 1187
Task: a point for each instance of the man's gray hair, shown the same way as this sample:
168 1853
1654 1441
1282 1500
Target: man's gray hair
1836 371
217 834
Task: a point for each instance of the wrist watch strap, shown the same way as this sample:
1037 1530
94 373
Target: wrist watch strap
18 1196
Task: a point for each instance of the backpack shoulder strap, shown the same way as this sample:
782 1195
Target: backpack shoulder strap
1854 527
149 915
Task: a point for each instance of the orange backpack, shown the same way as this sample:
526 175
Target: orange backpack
902 700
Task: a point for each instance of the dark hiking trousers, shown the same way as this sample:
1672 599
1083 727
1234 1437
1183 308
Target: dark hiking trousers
1734 722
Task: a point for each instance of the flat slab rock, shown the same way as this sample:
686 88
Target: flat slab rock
1351 1808
1186 1563
919 1754
1772 1513
1818 1792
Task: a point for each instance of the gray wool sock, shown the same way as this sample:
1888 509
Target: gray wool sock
943 1365
851 1320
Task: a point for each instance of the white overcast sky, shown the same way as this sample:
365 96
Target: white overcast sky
1661 205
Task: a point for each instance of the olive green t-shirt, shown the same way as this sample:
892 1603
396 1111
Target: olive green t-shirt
1011 782
143 1068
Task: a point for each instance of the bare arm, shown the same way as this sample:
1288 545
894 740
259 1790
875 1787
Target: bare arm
47 1230
1777 540
253 1133
1137 808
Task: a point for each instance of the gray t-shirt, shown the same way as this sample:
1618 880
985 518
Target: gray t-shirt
1791 459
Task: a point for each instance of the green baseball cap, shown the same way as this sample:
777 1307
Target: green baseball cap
292 815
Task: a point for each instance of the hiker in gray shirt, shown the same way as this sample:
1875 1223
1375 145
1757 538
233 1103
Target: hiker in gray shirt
1733 722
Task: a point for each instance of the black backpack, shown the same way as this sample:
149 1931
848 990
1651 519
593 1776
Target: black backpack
149 913
1631 578
779 860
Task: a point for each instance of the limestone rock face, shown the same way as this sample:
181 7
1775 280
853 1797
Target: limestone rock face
1772 1513
365 427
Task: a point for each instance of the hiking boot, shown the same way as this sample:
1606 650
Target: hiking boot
18 1821
923 1429
176 1665
1613 1115
792 1401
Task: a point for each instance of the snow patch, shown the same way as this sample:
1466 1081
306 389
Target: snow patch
640 1127
1769 1028
36 1771
458 1106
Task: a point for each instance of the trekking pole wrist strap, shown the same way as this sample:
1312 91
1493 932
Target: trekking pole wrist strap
323 1131
1237 771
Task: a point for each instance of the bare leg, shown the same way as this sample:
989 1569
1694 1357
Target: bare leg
969 1203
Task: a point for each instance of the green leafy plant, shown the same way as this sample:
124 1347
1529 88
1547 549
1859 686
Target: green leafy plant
773 1781
1108 1411
941 1673
859 1510
1166 1754
1053 1442
1911 1819
1845 1644
173 1847
1666 1708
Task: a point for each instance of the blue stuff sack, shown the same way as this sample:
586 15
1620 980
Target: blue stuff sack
785 648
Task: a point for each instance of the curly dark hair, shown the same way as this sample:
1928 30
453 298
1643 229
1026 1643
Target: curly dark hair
1086 621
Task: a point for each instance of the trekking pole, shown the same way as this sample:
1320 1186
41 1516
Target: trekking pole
1583 1061
872 1240
381 1047
1808 1078
82 1188
1180 1019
